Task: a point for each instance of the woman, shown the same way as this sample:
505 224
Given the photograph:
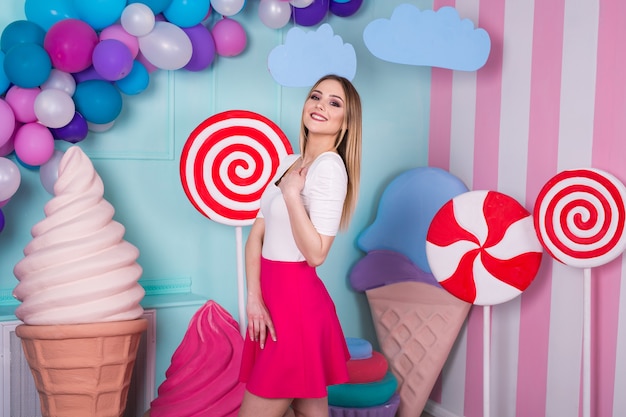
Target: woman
295 346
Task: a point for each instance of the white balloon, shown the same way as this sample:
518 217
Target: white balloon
166 47
301 3
274 13
60 80
49 171
137 19
227 7
54 108
10 178
99 128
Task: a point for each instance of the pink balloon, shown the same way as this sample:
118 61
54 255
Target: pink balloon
118 32
7 148
34 144
7 122
22 102
230 37
70 43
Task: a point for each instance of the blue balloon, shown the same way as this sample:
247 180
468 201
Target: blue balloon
27 65
184 13
98 101
21 31
4 80
47 12
157 6
1 221
99 13
136 81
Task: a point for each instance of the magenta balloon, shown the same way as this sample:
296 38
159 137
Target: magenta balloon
312 14
346 8
203 47
34 144
230 37
22 102
7 122
112 59
70 44
118 32
75 131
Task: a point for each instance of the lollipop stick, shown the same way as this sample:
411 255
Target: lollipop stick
587 342
242 316
486 357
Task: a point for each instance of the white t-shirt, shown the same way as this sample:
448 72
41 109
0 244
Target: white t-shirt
323 196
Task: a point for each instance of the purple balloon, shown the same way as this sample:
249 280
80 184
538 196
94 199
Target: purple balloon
312 14
203 47
112 59
74 131
345 8
1 221
86 75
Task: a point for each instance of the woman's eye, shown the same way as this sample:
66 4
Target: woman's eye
335 103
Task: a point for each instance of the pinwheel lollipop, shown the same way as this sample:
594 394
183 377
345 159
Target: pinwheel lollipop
225 165
482 248
579 218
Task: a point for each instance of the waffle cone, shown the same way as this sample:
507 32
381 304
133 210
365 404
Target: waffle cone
416 325
83 369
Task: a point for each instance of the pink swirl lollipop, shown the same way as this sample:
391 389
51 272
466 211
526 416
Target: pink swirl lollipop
227 162
579 217
482 248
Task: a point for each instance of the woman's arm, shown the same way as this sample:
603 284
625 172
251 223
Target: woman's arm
259 320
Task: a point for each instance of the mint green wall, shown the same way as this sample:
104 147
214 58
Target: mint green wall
138 160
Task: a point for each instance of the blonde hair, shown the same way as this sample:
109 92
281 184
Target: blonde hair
347 143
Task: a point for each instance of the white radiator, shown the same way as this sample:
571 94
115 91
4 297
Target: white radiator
19 395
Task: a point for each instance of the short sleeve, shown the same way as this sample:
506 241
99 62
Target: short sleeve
325 193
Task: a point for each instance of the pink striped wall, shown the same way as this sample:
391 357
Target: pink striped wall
552 96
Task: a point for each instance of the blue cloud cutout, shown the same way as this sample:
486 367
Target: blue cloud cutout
405 211
307 56
428 38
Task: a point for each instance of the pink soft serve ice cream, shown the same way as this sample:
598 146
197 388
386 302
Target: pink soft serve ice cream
78 268
202 379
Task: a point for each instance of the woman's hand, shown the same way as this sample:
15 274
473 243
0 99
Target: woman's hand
259 322
292 182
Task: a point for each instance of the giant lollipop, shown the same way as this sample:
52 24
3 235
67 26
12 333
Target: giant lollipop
579 218
225 165
482 248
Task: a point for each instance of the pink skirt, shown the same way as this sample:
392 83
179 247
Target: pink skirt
310 352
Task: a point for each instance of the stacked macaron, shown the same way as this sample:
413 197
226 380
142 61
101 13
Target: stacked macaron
371 388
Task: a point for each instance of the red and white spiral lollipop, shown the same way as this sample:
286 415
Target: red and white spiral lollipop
580 216
482 248
227 162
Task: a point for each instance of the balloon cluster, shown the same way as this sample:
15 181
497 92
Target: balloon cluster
64 70
276 14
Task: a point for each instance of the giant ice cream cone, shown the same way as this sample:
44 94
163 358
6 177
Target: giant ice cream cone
80 299
415 319
416 325
84 369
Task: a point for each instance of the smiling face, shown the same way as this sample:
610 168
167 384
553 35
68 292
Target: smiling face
324 110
